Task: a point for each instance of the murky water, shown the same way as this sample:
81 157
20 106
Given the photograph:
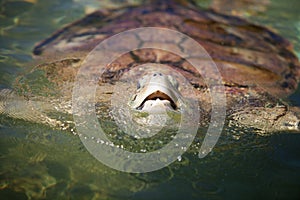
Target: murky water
41 163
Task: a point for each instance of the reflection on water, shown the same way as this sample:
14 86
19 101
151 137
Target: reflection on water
39 162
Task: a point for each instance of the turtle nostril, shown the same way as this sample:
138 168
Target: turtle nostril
159 74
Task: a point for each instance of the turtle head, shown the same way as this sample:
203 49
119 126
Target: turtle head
156 93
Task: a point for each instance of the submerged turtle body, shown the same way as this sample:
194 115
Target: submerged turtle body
256 64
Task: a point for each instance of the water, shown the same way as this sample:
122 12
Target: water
39 162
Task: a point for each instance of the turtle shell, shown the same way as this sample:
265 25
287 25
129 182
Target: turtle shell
247 55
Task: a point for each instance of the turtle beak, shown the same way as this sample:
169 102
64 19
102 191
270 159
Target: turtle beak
157 100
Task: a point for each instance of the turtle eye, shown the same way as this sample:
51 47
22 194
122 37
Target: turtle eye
141 82
173 81
138 85
133 97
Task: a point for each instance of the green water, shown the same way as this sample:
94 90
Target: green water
41 163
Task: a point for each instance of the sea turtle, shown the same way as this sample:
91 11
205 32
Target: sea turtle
257 67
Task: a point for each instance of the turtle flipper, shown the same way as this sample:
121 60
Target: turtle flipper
18 107
264 120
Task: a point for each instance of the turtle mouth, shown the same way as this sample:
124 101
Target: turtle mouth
158 96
